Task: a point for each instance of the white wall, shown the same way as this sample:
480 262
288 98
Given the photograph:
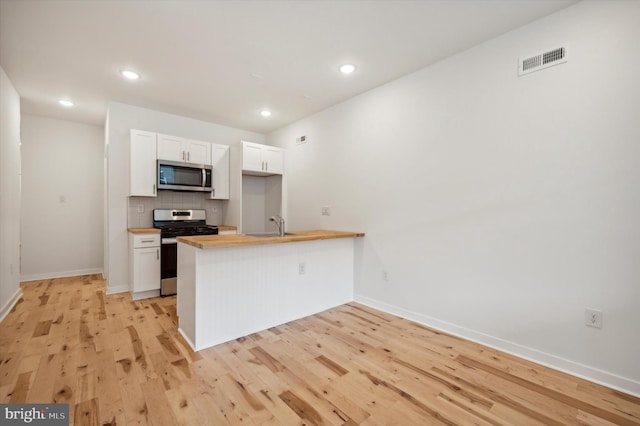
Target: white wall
62 198
9 195
121 118
500 206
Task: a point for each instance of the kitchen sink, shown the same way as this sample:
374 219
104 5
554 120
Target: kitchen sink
269 234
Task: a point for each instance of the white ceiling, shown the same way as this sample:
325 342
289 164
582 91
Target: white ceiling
223 61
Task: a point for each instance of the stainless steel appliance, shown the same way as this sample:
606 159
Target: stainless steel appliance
173 224
184 176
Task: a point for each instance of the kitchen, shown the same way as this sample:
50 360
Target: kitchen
181 252
493 210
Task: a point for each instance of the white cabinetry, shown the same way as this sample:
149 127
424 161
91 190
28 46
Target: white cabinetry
142 166
220 178
144 265
262 160
175 148
198 152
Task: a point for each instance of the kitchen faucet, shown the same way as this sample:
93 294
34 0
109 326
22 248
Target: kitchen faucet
279 221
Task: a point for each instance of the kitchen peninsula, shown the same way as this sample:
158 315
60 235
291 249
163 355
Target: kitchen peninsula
230 286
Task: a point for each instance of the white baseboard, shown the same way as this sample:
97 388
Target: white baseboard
4 311
186 338
62 274
552 361
117 289
145 294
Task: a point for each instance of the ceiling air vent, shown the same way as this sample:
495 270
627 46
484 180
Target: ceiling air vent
542 60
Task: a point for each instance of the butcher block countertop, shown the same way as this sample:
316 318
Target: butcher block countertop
240 240
144 230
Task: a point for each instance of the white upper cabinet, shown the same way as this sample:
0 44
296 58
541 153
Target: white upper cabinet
174 148
171 148
198 152
220 177
262 160
142 166
273 160
252 157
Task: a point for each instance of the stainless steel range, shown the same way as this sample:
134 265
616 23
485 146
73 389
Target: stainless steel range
172 224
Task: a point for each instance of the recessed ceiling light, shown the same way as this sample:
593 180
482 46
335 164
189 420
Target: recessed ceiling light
65 102
265 113
130 75
347 68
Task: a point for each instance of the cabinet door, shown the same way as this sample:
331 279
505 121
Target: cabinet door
220 164
171 148
198 152
273 159
252 157
146 269
142 164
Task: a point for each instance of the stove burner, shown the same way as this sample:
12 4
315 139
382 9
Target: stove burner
182 223
184 231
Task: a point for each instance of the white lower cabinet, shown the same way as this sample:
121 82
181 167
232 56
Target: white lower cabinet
144 265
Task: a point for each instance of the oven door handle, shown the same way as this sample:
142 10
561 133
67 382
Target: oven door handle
169 241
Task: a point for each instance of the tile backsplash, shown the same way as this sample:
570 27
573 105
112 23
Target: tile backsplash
140 212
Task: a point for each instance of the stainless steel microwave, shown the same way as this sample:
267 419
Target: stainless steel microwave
184 176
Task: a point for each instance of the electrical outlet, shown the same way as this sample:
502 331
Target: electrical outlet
302 268
593 318
325 211
140 208
385 275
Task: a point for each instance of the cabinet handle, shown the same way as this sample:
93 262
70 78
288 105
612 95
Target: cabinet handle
266 166
154 189
188 156
157 254
146 241
182 155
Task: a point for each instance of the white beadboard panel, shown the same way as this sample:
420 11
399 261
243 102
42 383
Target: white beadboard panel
226 293
186 298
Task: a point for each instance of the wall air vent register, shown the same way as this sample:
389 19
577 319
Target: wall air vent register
542 60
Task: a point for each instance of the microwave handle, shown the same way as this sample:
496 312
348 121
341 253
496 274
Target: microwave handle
204 178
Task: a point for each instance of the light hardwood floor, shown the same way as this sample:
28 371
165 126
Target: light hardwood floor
120 362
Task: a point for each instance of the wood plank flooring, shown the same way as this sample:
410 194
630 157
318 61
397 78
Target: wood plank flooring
120 362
